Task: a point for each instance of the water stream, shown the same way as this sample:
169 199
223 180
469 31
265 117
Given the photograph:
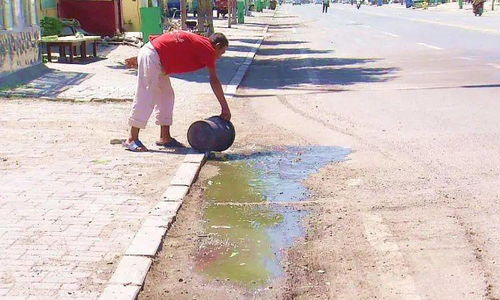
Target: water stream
248 218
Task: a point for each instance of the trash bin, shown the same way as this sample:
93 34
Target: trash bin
150 22
241 11
259 5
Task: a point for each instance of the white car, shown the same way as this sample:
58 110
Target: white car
296 2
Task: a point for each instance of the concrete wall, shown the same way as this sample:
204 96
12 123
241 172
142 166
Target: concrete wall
18 50
130 14
19 33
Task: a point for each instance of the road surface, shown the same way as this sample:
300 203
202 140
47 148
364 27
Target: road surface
414 212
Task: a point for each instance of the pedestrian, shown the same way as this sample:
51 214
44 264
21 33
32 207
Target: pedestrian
326 3
171 53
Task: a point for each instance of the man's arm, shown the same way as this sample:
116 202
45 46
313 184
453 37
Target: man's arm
219 93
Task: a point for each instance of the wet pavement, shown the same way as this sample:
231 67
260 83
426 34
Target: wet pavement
252 215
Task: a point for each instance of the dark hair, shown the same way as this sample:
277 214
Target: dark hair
219 38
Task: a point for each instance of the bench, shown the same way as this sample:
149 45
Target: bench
72 43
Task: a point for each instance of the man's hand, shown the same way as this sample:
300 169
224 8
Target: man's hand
226 114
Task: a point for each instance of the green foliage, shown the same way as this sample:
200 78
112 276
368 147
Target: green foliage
50 26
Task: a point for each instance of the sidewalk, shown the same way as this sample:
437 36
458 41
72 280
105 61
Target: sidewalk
70 202
108 79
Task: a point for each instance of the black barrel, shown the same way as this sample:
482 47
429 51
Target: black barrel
212 134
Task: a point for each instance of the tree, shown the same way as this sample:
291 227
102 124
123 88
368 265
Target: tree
183 14
205 17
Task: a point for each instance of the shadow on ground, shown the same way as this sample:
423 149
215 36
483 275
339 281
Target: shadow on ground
227 66
280 73
277 67
50 84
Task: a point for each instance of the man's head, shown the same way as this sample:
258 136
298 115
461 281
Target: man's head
219 42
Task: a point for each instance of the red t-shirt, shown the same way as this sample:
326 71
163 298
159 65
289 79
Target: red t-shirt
182 52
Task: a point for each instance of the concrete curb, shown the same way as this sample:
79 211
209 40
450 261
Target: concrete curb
233 84
129 276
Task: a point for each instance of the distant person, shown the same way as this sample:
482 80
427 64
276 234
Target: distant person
171 53
326 4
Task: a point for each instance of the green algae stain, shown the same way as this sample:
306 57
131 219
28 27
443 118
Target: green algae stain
236 182
248 229
240 249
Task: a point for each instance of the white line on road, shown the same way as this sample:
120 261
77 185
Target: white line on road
466 58
494 66
430 46
390 34
381 239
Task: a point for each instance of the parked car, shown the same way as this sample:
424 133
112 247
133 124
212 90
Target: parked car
318 1
296 2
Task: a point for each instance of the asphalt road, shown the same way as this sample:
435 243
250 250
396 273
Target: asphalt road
415 211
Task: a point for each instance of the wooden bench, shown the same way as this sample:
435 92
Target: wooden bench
72 43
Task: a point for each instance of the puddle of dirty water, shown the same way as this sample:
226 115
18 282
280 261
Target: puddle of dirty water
246 222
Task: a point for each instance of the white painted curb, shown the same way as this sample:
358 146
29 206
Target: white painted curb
232 86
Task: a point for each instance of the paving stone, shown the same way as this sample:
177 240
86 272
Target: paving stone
64 213
158 221
120 292
166 208
146 241
186 174
131 270
3 292
175 193
195 157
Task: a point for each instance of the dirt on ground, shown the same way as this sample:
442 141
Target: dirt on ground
174 272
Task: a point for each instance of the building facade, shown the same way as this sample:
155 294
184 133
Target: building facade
19 35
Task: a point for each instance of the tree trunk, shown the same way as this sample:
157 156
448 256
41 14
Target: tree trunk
229 13
235 12
205 17
493 5
183 15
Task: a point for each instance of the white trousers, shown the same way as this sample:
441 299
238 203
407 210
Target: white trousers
154 91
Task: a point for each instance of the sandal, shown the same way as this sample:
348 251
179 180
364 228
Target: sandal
172 144
135 146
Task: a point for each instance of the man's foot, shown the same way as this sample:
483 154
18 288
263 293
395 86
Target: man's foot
134 146
173 143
